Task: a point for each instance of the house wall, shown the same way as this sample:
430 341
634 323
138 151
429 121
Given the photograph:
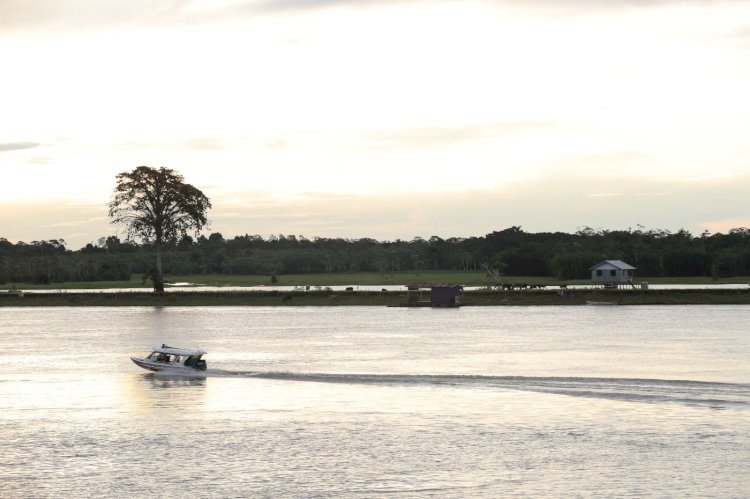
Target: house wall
444 296
619 275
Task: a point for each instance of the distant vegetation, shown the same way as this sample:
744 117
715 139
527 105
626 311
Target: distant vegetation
561 256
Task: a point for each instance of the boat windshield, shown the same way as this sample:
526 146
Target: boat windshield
189 360
160 357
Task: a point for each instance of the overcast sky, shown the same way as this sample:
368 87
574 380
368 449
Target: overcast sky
382 119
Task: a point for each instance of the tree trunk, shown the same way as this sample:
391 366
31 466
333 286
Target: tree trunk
158 277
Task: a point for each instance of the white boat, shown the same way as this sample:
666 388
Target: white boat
172 360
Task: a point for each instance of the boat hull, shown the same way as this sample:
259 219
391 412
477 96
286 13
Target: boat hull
154 366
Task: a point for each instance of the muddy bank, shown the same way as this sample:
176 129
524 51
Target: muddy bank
384 298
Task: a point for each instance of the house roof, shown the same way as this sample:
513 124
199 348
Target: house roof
425 285
617 264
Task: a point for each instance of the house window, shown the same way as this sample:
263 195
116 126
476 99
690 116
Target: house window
598 273
613 273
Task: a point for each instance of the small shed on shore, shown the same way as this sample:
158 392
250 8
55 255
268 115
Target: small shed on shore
441 295
612 272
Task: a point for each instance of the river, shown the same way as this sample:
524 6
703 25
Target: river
636 401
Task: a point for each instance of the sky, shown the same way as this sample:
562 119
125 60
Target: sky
381 119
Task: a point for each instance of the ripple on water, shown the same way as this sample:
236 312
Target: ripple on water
526 402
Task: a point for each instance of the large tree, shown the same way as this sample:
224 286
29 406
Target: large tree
157 205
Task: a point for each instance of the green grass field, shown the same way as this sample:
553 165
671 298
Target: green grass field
467 278
482 297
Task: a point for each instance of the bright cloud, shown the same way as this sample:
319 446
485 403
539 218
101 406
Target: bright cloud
317 99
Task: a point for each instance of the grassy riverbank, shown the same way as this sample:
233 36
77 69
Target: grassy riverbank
466 278
324 298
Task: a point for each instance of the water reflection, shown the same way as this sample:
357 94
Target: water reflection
142 394
165 381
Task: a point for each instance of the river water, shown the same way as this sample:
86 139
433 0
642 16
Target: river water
633 401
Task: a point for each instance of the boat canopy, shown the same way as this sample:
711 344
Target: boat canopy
177 351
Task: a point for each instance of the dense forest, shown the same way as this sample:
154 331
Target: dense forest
512 251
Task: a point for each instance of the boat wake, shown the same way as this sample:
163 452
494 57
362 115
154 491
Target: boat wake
694 393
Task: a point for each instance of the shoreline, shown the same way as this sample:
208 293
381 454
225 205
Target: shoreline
377 298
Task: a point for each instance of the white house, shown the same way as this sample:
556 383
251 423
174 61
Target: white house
611 272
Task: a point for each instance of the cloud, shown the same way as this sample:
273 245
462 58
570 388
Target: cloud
606 195
726 224
651 194
239 7
39 160
555 203
588 5
709 178
446 135
77 14
77 224
187 144
558 203
16 146
20 14
602 163
742 33
201 144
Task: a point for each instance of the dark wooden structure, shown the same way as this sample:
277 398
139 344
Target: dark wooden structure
441 295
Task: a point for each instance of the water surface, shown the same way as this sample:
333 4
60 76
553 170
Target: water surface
375 401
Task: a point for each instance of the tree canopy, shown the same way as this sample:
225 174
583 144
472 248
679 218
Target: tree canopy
554 255
157 205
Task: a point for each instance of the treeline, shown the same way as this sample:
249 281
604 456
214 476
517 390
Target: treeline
511 251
